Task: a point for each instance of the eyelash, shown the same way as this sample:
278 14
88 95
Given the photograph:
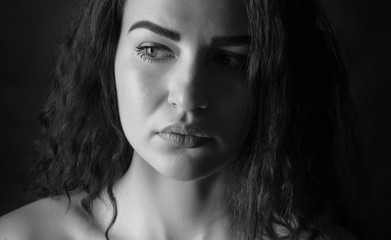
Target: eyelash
142 48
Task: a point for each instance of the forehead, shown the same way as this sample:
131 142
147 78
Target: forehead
201 18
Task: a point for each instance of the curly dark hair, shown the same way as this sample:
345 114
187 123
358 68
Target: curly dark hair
297 152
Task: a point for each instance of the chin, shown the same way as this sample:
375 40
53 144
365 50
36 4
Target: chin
187 169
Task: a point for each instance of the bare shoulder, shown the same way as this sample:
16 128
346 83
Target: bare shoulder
48 218
15 225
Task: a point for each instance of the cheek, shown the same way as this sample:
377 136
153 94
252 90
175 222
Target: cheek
139 95
229 100
229 97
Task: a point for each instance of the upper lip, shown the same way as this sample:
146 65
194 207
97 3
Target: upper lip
185 129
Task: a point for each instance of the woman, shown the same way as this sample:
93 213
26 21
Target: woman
188 119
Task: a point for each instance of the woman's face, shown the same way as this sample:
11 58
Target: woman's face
180 72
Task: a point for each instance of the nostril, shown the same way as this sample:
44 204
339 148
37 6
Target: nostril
171 100
188 102
188 90
204 106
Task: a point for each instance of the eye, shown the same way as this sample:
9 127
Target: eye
230 61
153 52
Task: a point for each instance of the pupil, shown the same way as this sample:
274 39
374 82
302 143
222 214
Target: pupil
151 52
223 59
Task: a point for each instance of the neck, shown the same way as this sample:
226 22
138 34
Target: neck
152 206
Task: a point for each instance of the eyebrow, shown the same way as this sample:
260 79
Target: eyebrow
176 36
231 41
173 35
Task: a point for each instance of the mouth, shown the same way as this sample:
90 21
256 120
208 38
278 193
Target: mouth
184 136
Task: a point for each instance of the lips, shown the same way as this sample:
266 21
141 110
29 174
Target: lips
184 136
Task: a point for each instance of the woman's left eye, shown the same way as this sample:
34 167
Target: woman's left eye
152 52
231 61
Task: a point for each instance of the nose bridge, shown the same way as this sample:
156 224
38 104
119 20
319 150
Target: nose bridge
188 89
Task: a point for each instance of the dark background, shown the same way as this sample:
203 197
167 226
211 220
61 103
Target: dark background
31 30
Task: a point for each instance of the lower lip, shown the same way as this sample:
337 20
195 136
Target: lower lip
184 141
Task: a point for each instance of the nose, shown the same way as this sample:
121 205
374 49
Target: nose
188 87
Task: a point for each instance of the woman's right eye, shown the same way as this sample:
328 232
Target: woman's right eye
153 52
